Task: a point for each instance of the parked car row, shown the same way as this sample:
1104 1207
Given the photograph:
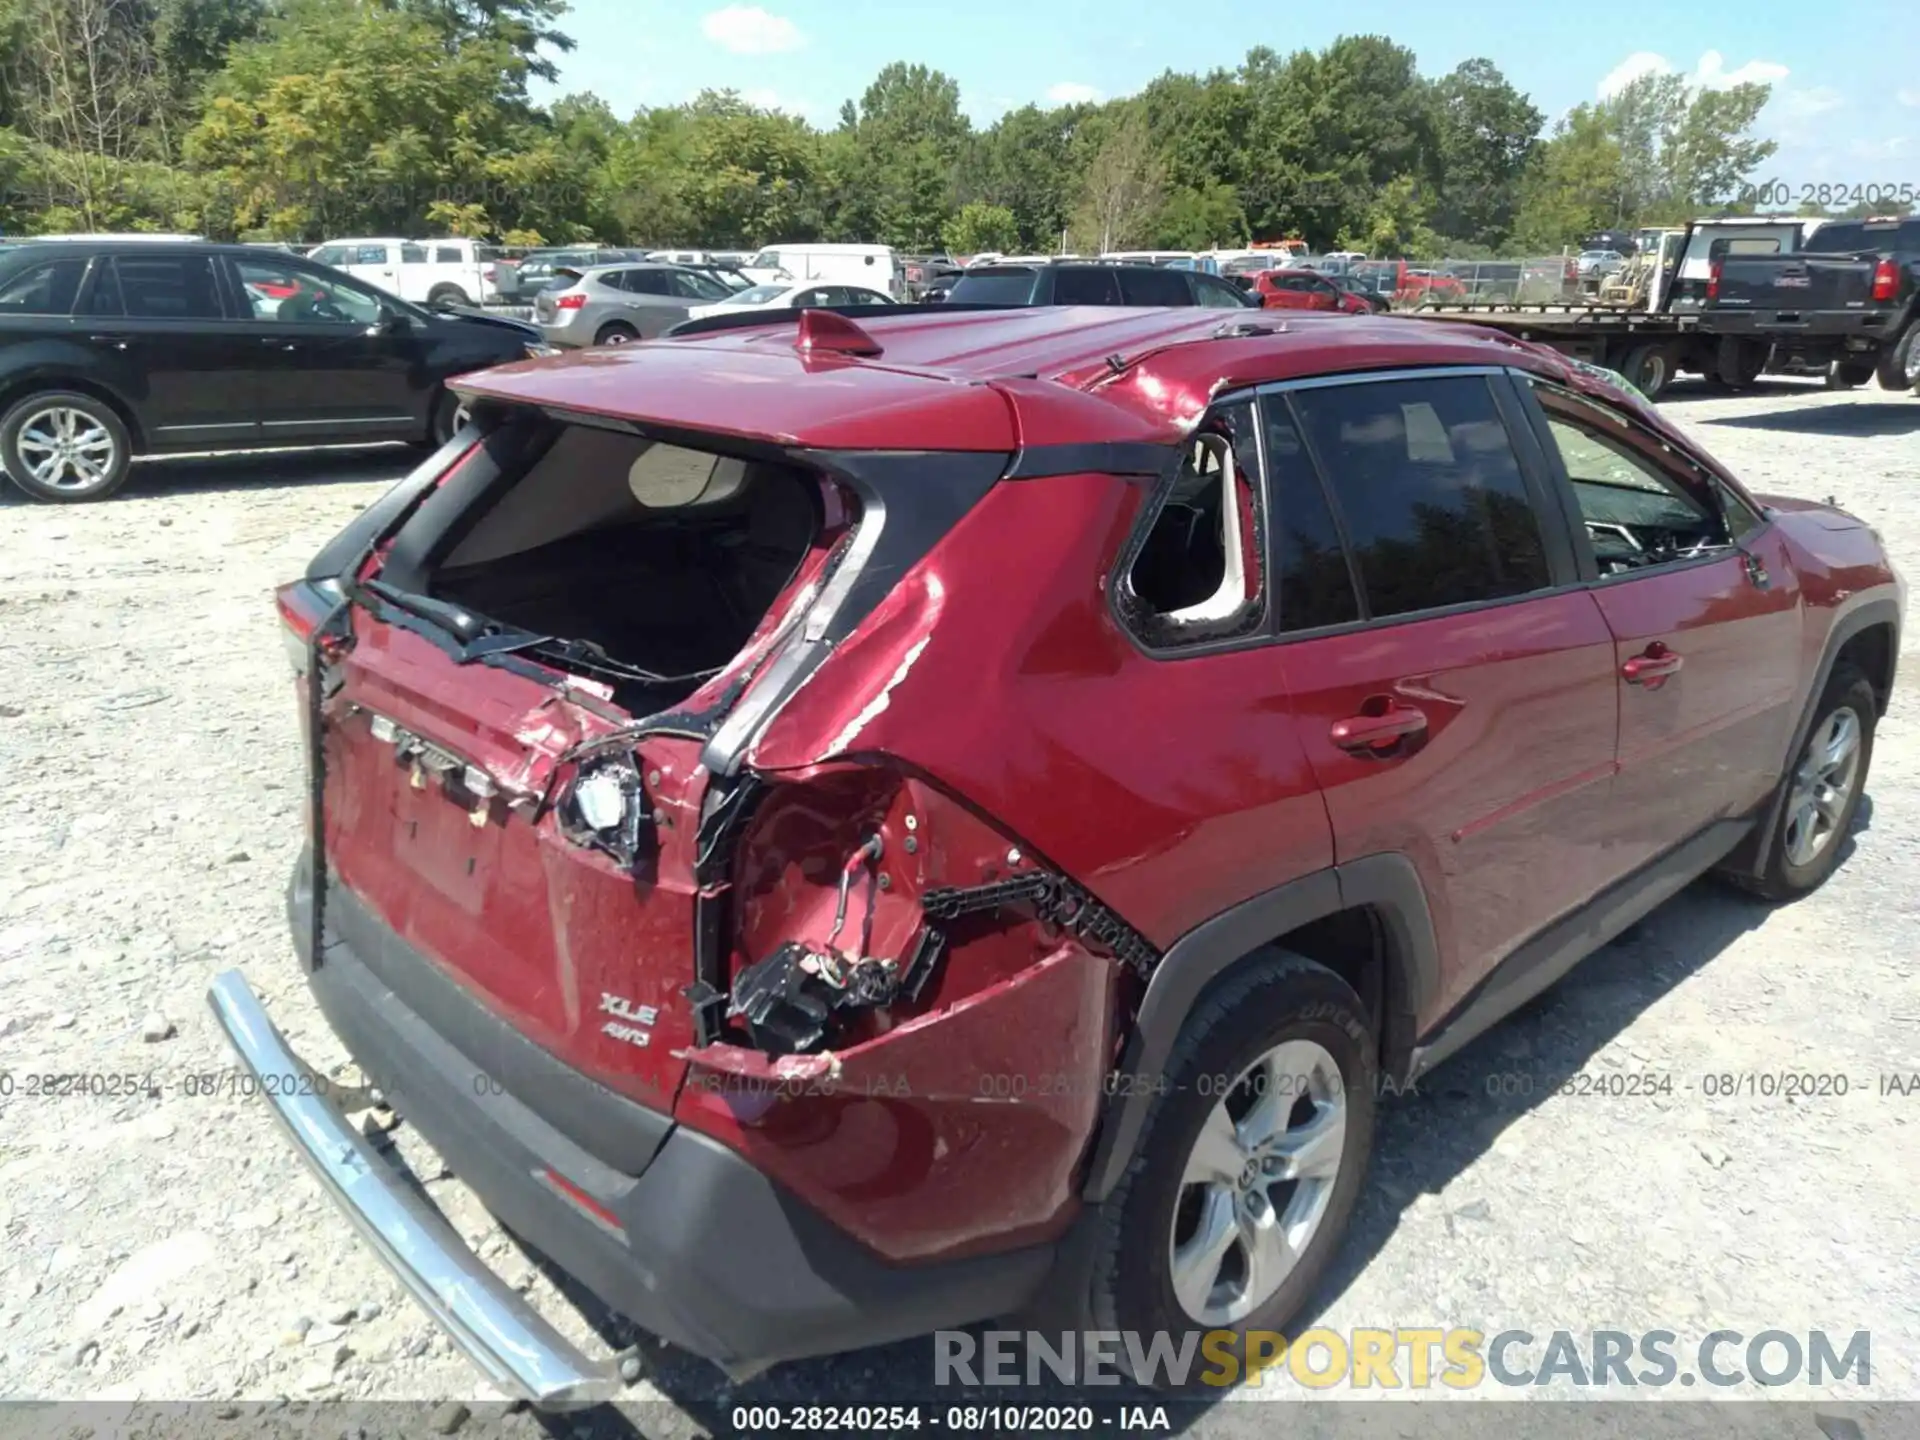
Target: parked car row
115 348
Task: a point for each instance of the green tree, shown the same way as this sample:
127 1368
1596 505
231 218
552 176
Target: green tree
1122 192
1573 186
748 172
1024 163
979 227
353 115
1485 132
1711 150
900 163
1202 218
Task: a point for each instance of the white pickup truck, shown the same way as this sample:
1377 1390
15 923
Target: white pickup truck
452 272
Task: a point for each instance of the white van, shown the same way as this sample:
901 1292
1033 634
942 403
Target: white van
873 267
454 272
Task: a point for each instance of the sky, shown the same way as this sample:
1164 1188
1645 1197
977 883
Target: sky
1845 107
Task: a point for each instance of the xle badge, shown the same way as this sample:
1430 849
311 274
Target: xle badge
631 1022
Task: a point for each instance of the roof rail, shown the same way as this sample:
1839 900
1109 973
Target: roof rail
747 319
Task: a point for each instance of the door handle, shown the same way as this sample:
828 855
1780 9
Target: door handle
1651 666
118 342
1380 732
276 342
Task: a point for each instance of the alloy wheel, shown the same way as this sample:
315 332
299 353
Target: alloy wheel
1258 1182
65 448
1823 785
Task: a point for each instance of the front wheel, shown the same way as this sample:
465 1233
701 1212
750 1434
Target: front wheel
449 419
1249 1164
64 447
617 333
1822 791
448 295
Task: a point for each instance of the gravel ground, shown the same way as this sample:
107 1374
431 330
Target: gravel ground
167 1247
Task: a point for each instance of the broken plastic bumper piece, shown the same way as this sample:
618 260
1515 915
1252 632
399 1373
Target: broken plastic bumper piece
516 1349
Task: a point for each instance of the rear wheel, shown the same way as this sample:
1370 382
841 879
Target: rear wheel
448 295
1249 1164
1899 368
64 447
1739 362
1821 791
616 333
449 418
1649 368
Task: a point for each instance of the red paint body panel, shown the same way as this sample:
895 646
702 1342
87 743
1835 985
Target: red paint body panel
947 1136
1706 743
1028 702
1503 808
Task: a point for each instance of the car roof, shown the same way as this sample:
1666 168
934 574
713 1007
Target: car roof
990 379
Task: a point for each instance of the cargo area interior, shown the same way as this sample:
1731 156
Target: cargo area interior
662 559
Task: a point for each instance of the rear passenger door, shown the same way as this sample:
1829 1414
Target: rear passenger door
168 316
1451 682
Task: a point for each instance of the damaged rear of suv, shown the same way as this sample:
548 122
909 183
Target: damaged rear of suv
606 895
838 831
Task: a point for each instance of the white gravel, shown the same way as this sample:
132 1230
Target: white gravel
166 1246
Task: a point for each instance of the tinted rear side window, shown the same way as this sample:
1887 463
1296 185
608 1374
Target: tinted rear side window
1431 492
43 288
1143 285
170 288
1002 287
1316 588
1091 286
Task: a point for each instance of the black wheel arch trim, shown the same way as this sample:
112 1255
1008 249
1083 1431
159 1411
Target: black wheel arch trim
1387 883
1876 609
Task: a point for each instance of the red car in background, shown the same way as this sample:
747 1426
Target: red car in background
1305 290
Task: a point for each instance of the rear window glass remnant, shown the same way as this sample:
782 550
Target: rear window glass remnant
1426 478
1197 573
1316 588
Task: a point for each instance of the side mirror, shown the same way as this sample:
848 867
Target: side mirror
392 322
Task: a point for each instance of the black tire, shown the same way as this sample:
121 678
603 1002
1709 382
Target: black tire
1649 368
448 295
616 332
1782 877
101 439
1275 997
1891 371
1739 362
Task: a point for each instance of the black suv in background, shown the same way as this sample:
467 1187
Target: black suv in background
110 350
1086 283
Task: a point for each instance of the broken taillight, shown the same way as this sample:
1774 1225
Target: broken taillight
302 606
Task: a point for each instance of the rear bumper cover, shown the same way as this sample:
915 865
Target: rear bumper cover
710 1254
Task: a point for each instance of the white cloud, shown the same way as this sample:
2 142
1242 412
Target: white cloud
1641 62
749 30
1805 104
1909 97
1710 74
1071 92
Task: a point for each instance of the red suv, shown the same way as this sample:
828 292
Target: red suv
835 831
1306 290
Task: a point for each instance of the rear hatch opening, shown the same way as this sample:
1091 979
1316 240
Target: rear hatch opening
512 736
640 565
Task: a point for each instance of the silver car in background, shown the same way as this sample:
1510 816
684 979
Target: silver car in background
615 304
